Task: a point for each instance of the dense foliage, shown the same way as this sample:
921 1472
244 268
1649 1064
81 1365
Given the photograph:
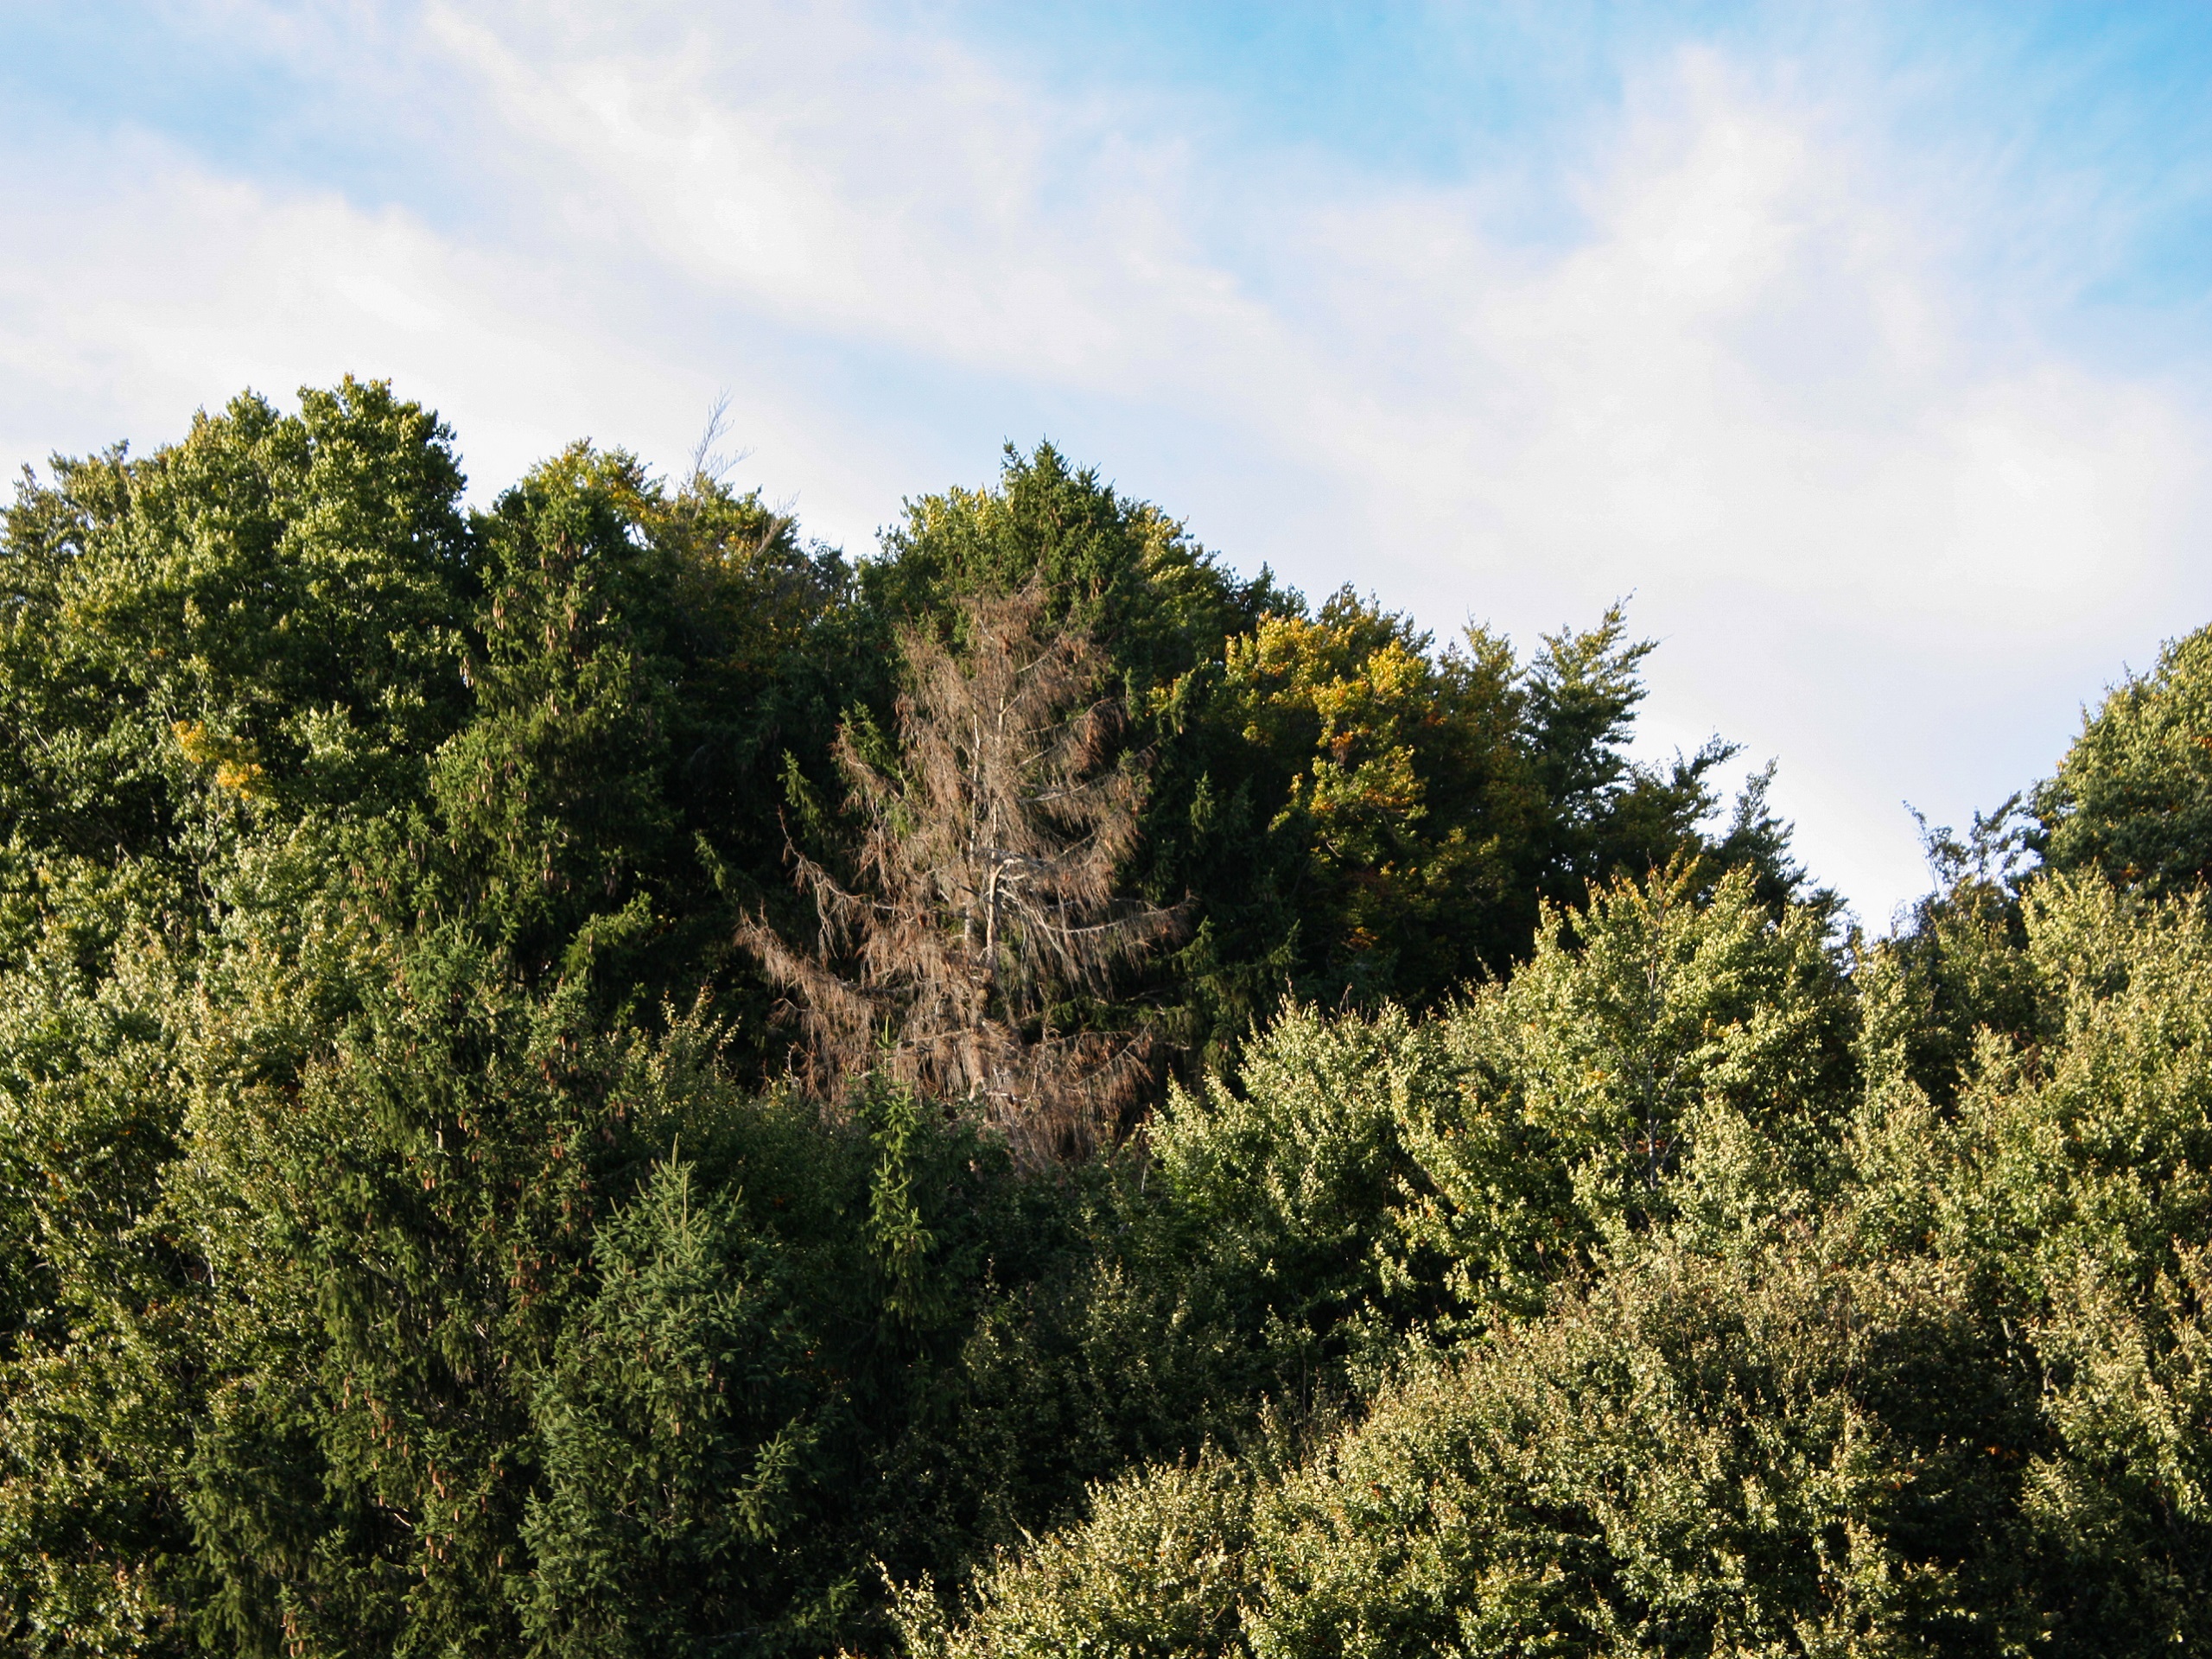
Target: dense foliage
429 1222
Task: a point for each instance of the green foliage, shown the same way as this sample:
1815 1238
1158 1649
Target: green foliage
1120 567
1940 1387
1422 807
269 611
1561 1238
2134 796
1450 1170
1956 968
1688 1458
1158 1569
685 1506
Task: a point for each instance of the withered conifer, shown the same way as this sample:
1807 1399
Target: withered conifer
982 909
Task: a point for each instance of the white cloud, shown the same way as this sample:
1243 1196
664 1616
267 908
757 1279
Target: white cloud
844 178
163 286
1753 371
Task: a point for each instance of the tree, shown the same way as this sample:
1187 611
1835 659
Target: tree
985 906
2134 796
217 662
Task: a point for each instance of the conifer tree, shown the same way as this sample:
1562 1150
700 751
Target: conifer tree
984 901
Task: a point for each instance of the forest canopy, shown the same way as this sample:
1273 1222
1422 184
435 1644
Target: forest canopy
589 1075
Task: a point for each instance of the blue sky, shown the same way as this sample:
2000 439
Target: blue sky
1867 349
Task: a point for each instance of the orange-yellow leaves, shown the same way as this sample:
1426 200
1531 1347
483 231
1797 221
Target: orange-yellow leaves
236 768
1362 701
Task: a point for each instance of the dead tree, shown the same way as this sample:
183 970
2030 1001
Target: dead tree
983 893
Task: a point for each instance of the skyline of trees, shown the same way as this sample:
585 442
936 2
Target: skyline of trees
1253 1132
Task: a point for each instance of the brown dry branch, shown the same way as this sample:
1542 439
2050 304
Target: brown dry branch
984 890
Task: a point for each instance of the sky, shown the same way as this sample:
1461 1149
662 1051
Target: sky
1865 351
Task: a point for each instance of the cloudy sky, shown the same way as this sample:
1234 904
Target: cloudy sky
1867 349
